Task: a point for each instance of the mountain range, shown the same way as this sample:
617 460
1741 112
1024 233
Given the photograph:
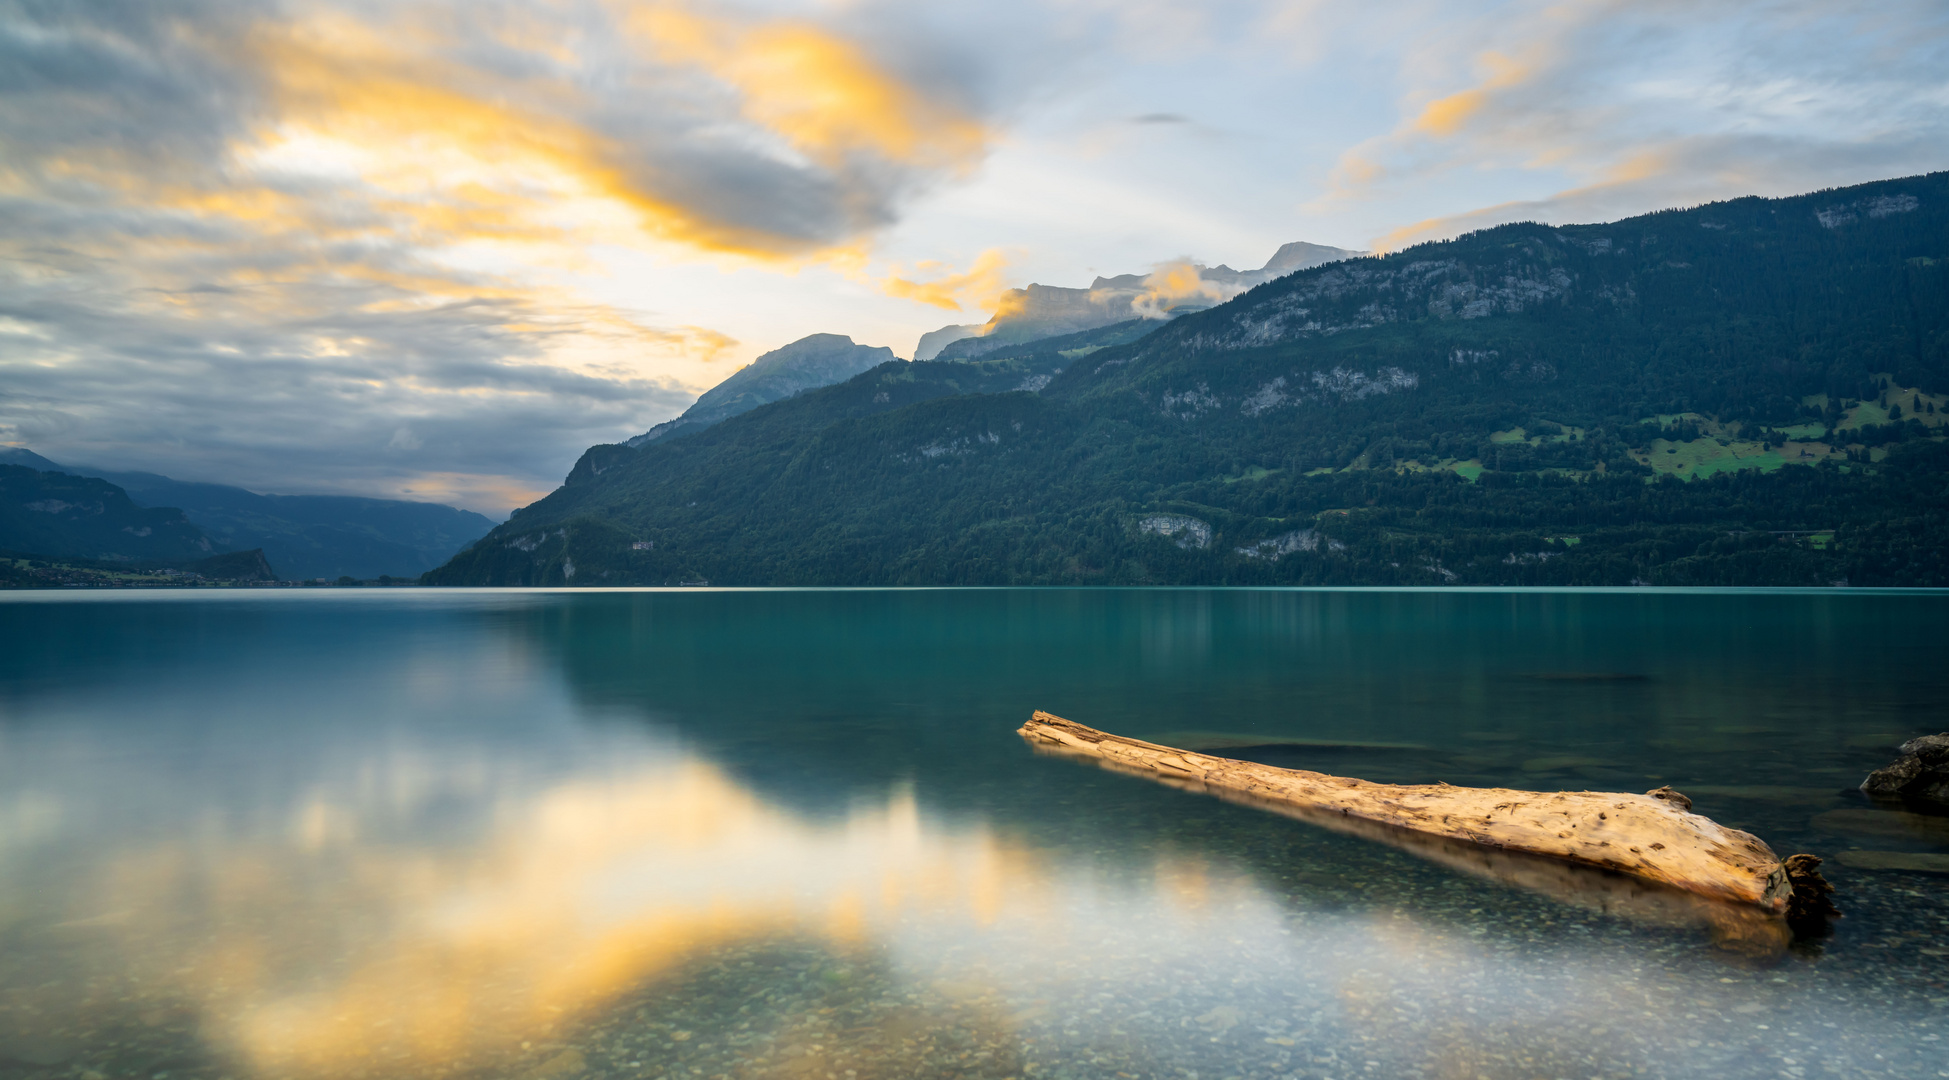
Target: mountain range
303 536
1043 311
1747 392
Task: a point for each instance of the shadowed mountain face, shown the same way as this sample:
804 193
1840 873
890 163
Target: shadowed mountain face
805 364
236 566
303 536
57 515
1042 311
318 536
1745 393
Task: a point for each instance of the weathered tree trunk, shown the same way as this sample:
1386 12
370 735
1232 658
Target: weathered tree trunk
1651 836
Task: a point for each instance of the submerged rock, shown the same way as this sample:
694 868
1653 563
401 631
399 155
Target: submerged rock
1921 774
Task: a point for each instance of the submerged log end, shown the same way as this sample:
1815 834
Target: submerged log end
1671 796
1811 905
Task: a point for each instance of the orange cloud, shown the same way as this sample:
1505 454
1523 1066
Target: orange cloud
1639 167
982 286
1427 229
1171 284
1446 116
467 155
820 93
1360 166
459 165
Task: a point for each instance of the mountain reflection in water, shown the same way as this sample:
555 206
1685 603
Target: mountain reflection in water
793 835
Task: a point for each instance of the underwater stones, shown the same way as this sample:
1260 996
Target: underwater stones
1560 762
1771 793
41 1051
1927 862
566 1064
1899 824
1921 774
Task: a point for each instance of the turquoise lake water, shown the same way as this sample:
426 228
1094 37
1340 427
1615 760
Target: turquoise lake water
785 834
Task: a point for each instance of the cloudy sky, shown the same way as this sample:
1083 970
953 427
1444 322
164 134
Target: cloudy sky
434 250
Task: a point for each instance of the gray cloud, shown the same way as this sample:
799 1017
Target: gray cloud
167 301
165 304
485 416
166 86
1653 104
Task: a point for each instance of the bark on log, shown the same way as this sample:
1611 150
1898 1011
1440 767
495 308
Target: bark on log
1647 836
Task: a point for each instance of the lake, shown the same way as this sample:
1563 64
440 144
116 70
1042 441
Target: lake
792 834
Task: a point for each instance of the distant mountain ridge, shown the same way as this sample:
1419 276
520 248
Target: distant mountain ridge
1032 313
1753 392
58 514
806 364
1042 311
304 536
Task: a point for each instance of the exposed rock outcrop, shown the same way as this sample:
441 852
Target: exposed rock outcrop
1921 774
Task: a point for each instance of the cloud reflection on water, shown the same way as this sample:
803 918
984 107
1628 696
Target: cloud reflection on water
324 839
337 943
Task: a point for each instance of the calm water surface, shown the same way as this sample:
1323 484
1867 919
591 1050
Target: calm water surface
792 835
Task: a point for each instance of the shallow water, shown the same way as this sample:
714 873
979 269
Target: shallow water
351 833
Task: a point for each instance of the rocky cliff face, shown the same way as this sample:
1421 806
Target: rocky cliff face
805 364
932 342
1041 311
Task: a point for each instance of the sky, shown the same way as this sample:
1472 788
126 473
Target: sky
434 251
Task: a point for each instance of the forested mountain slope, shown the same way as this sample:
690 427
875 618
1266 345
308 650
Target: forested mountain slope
1750 392
316 536
55 514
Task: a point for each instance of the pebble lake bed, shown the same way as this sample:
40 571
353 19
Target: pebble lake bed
788 834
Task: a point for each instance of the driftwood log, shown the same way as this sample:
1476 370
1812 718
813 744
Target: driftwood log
1652 837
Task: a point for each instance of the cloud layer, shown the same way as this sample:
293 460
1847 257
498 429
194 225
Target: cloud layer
1628 107
430 249
316 246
